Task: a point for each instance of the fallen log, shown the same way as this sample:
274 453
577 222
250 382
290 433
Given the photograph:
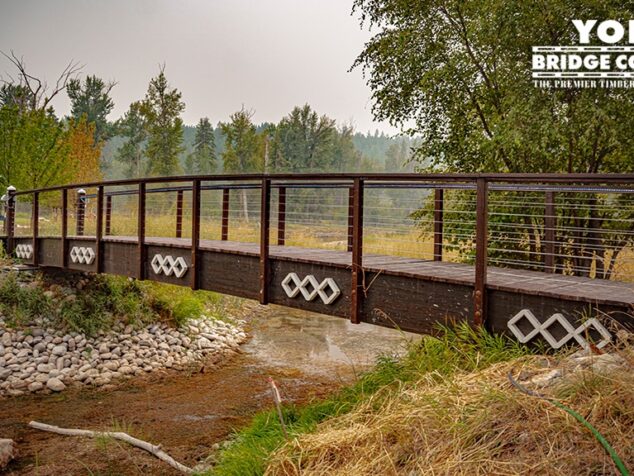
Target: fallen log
117 435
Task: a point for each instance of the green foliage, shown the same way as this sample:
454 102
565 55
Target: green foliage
161 109
132 128
20 304
203 159
459 349
243 145
91 100
178 304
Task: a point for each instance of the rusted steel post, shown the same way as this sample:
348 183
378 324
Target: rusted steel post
64 228
81 212
281 217
195 234
224 233
549 233
350 216
141 232
179 214
265 208
438 223
356 293
10 218
108 214
35 227
479 292
99 230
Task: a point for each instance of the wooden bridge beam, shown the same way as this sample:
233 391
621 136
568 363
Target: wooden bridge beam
438 223
281 216
479 292
356 293
195 271
224 233
99 230
179 214
265 218
64 228
35 227
549 232
141 231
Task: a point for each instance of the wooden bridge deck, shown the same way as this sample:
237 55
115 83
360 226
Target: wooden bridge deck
571 288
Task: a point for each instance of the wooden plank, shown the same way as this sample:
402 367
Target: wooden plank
281 216
99 230
141 232
357 253
265 217
35 227
64 247
195 233
479 293
438 223
224 234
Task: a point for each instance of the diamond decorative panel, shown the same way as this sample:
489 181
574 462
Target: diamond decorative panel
82 255
310 288
24 251
169 265
560 320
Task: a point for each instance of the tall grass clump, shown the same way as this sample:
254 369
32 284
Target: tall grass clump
453 350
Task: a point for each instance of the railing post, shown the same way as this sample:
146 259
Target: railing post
549 233
438 223
10 218
179 214
108 214
350 216
81 212
224 232
281 217
64 228
195 233
141 232
35 227
265 208
479 292
356 293
99 230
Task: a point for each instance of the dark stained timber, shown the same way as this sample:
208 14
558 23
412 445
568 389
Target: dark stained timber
479 292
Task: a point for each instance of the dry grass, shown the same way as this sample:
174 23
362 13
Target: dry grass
472 423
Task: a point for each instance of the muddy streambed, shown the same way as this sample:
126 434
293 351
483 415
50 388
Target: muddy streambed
308 355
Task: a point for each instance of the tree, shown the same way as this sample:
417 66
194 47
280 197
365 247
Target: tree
203 159
243 148
460 72
133 128
304 141
92 100
161 110
83 153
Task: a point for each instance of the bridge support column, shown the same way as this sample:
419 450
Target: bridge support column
10 218
356 293
179 214
438 223
35 227
550 218
479 292
81 212
265 218
64 228
195 234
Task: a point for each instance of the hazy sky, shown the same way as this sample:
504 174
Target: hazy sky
269 55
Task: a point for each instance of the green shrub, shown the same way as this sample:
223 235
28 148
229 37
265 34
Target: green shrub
20 304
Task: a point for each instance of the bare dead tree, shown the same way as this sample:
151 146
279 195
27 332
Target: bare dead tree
39 94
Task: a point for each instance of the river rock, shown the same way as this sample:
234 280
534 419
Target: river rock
55 384
59 350
8 452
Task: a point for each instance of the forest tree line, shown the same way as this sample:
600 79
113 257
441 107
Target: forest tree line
40 148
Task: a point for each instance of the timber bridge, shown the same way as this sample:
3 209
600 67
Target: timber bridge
533 254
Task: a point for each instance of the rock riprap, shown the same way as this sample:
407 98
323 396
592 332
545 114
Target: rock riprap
43 360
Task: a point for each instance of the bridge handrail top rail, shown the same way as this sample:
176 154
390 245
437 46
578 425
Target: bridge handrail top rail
559 178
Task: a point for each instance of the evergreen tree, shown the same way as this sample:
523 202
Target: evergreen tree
161 109
203 159
91 100
131 153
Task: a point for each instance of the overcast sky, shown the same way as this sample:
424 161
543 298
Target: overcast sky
269 55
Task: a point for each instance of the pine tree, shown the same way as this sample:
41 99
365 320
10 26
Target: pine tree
91 100
161 109
131 153
203 159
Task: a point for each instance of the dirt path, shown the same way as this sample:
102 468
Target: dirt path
308 356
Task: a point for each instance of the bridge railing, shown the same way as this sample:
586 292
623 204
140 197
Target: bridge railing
569 224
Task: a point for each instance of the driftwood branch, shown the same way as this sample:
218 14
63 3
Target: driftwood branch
117 435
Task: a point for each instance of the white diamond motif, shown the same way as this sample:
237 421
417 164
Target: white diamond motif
310 288
169 265
572 333
24 251
82 255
